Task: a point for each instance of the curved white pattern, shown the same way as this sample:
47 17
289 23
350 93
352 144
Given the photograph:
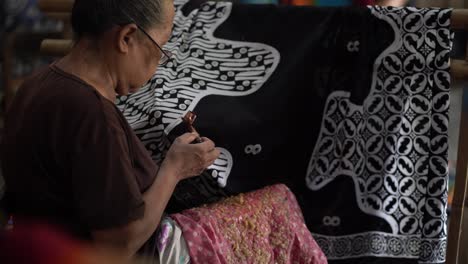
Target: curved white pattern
202 65
398 134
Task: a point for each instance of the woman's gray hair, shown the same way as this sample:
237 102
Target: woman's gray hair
94 17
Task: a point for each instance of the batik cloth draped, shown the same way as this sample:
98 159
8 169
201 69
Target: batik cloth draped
262 226
346 106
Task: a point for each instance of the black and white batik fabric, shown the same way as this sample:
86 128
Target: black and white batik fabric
394 146
347 106
203 65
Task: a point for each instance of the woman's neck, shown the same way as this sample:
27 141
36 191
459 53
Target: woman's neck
90 65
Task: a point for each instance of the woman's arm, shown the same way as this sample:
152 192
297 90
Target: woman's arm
129 238
183 160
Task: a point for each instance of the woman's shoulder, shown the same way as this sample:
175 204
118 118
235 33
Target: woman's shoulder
52 94
50 89
50 82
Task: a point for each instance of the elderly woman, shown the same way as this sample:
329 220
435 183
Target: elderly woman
69 156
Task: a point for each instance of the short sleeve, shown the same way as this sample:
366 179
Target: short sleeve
105 189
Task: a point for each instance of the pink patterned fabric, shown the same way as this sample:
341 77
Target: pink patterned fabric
264 226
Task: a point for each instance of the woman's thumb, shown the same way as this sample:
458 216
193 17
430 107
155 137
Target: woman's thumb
188 138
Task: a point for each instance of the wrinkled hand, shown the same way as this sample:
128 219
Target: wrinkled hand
188 159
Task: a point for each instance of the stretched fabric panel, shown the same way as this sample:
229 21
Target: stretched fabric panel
346 106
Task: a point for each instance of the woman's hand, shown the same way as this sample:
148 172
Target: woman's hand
188 159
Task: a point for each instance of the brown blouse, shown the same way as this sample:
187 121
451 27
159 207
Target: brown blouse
70 157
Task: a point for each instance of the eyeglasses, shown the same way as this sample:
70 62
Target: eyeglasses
165 54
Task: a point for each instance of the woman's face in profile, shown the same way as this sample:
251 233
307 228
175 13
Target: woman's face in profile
144 61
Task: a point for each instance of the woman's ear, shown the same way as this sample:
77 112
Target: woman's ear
126 36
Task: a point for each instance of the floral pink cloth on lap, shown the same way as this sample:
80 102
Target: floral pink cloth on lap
264 226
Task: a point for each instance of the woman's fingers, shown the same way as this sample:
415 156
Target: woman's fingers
207 144
212 156
187 138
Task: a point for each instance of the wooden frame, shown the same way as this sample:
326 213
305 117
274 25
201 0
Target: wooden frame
459 70
456 233
456 244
